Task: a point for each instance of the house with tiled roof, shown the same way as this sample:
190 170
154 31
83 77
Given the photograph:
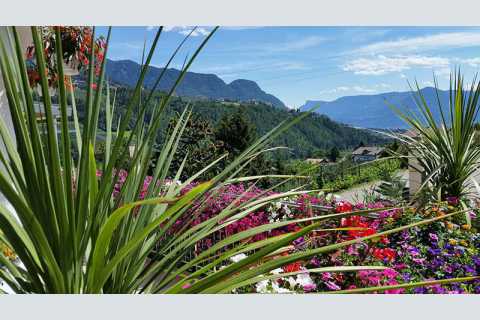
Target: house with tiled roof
364 154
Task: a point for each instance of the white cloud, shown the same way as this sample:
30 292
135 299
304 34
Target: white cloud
356 89
150 28
415 44
472 62
380 65
300 44
185 30
290 66
443 72
243 68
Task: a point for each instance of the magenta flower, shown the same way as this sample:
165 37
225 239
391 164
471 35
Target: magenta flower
433 236
332 286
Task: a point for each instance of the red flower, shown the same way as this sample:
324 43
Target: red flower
384 254
389 254
343 207
357 222
292 267
384 240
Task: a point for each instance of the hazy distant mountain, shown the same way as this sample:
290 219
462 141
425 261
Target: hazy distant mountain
373 111
126 72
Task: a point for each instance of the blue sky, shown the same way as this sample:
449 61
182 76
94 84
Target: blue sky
316 63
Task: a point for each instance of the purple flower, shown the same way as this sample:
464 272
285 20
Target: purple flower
452 201
420 290
476 260
448 269
315 262
297 243
406 277
352 250
438 289
436 263
413 251
471 270
433 237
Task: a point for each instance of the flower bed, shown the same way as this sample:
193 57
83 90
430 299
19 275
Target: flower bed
441 250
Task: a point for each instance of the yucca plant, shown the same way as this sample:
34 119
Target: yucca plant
445 146
72 235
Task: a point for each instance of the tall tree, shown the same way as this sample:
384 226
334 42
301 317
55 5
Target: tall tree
333 154
236 132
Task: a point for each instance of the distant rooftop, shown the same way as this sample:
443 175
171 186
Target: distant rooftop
374 151
317 160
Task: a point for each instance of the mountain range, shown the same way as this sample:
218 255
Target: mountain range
195 85
374 111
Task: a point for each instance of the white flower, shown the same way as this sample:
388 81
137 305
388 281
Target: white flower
277 289
304 279
262 286
292 282
238 257
276 271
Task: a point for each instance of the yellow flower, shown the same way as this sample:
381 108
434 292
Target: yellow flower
464 243
449 225
466 227
7 252
452 241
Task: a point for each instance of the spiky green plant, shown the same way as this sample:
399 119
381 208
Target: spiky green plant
72 236
445 148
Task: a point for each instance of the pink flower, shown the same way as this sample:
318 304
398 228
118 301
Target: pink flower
309 287
390 273
332 286
326 276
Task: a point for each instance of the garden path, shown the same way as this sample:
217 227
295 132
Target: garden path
357 192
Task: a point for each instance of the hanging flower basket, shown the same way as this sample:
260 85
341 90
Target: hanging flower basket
77 48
